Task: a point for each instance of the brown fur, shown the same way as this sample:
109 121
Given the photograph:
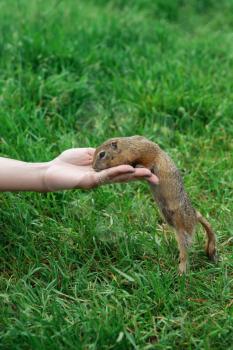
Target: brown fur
169 194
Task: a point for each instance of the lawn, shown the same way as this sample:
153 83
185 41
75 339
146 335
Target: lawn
97 269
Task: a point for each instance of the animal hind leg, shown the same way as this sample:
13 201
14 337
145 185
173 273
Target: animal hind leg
184 241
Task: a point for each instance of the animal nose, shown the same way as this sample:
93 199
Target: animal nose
102 154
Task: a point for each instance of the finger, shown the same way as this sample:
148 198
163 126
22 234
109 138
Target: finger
153 179
88 150
147 174
73 155
106 176
144 174
117 170
91 151
124 178
129 177
90 155
86 153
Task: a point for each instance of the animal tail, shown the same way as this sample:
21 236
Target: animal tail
211 239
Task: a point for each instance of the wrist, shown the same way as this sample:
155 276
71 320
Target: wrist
37 175
46 171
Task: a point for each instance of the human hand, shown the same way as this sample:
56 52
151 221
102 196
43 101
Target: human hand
73 169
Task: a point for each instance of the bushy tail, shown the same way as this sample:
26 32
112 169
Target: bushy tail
211 239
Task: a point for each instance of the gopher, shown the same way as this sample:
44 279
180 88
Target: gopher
170 195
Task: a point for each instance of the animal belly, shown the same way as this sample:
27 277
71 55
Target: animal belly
164 205
168 215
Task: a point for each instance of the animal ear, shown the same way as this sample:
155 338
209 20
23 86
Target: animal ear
114 144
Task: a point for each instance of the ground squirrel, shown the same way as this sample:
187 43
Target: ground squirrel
169 194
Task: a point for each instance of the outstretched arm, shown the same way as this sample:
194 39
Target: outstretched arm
21 176
72 169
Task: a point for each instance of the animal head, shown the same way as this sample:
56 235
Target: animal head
107 155
111 153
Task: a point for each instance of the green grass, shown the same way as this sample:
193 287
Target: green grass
95 269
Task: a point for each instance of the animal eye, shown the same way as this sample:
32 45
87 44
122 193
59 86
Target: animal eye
102 154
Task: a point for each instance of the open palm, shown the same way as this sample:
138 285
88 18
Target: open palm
73 169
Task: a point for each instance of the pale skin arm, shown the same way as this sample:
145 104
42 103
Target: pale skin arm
70 170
